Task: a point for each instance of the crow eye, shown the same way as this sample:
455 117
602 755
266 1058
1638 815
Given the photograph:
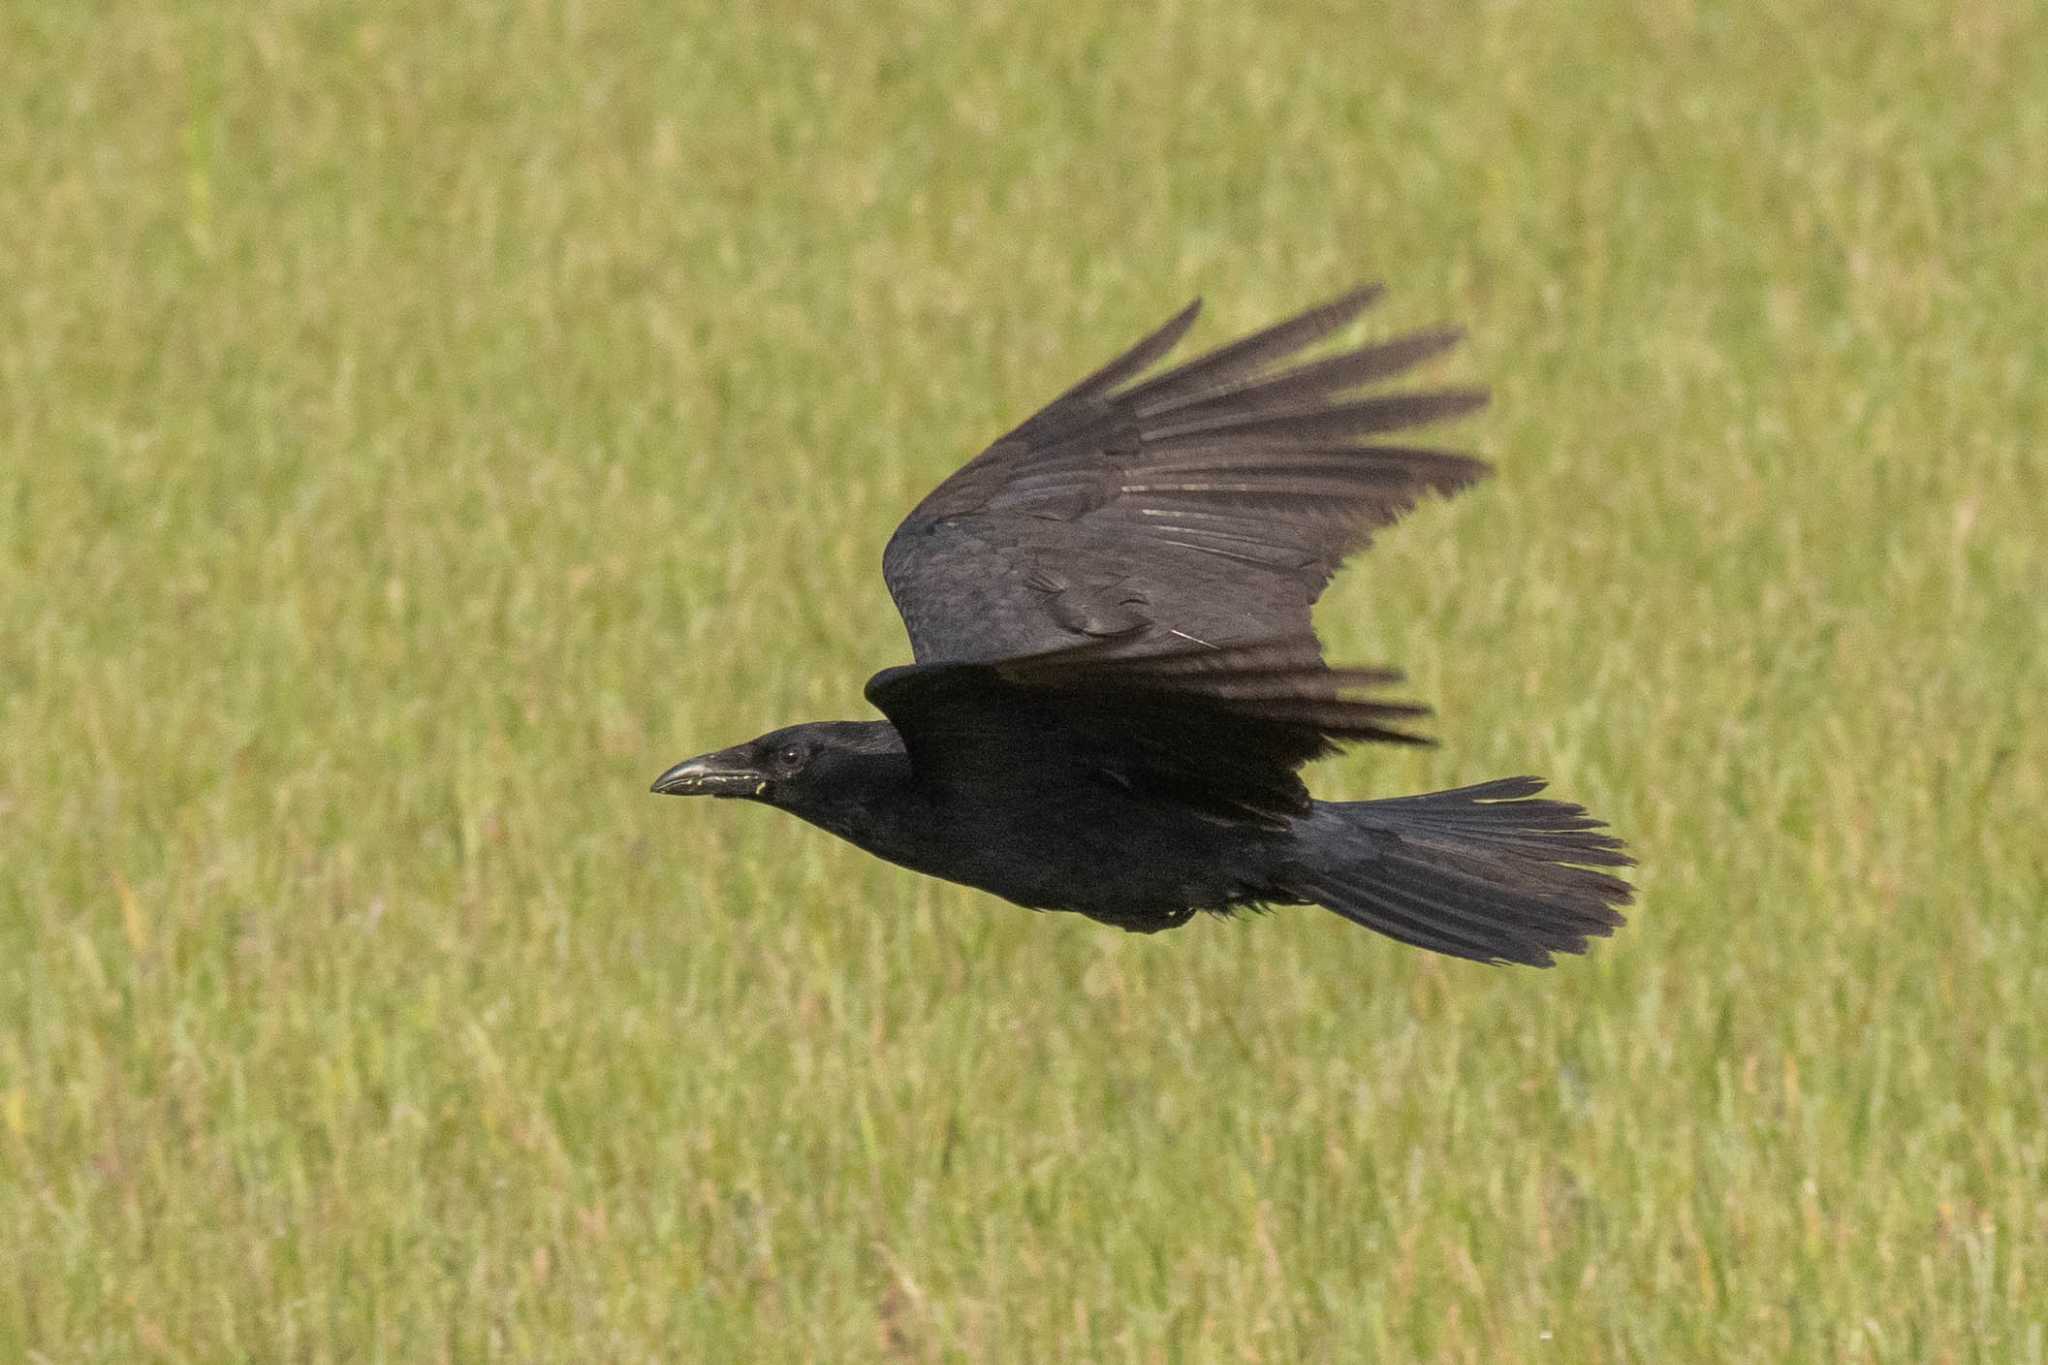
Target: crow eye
789 758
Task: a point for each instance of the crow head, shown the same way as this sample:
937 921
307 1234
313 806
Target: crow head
800 768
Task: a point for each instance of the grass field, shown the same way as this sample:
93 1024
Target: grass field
420 424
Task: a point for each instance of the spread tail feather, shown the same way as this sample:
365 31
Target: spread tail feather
1485 872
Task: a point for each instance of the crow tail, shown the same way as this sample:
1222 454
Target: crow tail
1486 872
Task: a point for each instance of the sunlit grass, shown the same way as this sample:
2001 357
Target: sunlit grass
421 424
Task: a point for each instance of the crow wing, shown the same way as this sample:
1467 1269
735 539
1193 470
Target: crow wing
1211 503
1220 730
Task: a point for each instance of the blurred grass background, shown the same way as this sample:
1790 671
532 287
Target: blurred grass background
419 424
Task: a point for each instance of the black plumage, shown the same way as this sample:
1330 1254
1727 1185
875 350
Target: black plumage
1116 678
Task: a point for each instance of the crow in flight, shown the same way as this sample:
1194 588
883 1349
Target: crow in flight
1117 680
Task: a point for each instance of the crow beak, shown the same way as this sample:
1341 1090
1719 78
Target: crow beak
725 773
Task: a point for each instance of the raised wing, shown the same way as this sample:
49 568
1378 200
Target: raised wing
1220 730
1211 503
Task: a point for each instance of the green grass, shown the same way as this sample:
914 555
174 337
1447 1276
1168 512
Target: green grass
420 424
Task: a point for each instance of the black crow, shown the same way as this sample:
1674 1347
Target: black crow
1117 680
